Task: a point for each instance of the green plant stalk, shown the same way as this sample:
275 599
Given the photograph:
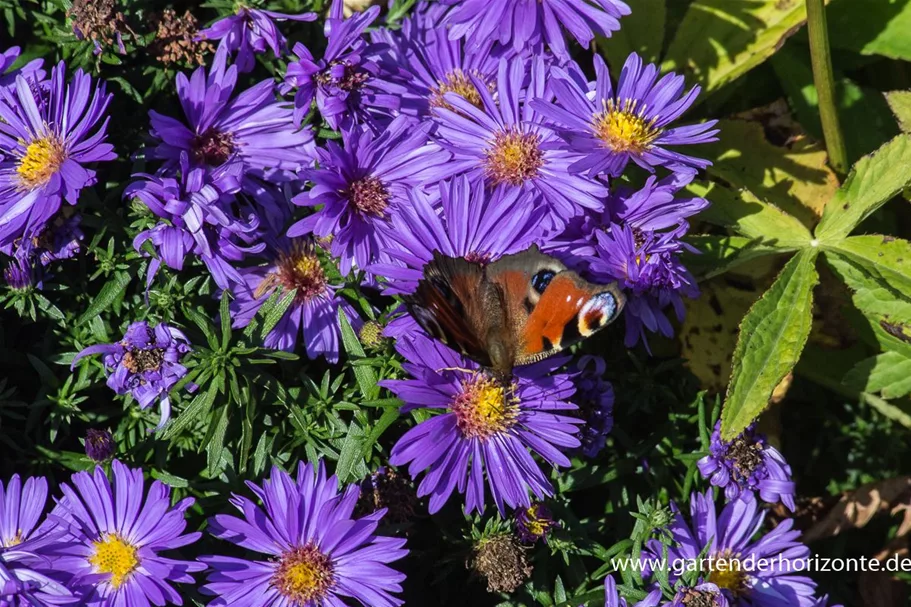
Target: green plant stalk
824 80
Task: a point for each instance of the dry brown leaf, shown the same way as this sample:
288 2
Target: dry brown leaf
855 509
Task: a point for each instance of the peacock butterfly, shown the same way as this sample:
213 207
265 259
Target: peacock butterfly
516 310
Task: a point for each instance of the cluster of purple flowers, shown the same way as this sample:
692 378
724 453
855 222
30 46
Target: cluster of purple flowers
107 544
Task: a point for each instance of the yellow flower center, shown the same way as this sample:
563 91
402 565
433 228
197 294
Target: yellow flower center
300 269
115 556
14 541
456 82
303 575
624 127
43 157
727 572
513 157
535 525
484 407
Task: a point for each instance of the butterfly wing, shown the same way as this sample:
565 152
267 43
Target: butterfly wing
449 305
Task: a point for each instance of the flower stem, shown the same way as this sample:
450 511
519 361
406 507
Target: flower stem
825 85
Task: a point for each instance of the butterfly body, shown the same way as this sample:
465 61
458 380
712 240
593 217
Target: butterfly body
517 310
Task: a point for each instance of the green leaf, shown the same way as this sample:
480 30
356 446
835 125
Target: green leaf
871 27
885 257
744 213
364 374
199 406
900 104
772 335
888 373
112 291
719 254
351 454
718 42
224 313
216 444
642 32
276 312
389 417
873 181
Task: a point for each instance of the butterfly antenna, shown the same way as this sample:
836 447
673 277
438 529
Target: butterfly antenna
462 369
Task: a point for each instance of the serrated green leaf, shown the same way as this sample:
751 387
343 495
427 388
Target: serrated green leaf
772 336
113 290
873 181
888 373
642 32
900 104
885 257
744 213
718 42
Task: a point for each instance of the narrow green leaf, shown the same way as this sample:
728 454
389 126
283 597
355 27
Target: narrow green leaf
199 406
112 291
388 418
900 104
216 445
224 313
873 181
772 336
201 321
364 374
749 216
276 313
351 453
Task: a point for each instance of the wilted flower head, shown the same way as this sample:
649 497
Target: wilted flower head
100 22
175 39
145 364
362 183
747 464
488 426
523 24
294 265
348 83
319 553
732 545
534 523
47 136
116 559
250 31
99 445
502 561
611 128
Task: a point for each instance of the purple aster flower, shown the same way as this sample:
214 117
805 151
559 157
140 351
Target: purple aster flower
534 523
463 219
361 183
486 424
32 70
349 83
21 273
734 553
145 364
609 129
294 264
251 128
250 31
613 599
747 464
27 576
524 23
319 554
99 445
505 143
595 398
118 532
47 136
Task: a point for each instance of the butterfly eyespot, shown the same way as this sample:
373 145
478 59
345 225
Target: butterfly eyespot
540 280
597 312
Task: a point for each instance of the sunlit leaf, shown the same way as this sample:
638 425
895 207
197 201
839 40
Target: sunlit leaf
900 104
871 27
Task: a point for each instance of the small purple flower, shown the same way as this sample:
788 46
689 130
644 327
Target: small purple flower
733 555
294 264
21 274
609 129
467 220
28 576
251 128
99 445
47 136
613 599
747 464
595 398
349 84
504 142
145 364
31 70
60 240
249 32
486 425
118 533
524 23
362 183
534 523
318 553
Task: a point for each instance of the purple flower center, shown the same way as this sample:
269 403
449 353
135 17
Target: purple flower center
484 407
624 127
514 157
456 82
304 575
298 269
42 160
141 360
745 457
115 556
699 598
369 196
727 572
213 147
